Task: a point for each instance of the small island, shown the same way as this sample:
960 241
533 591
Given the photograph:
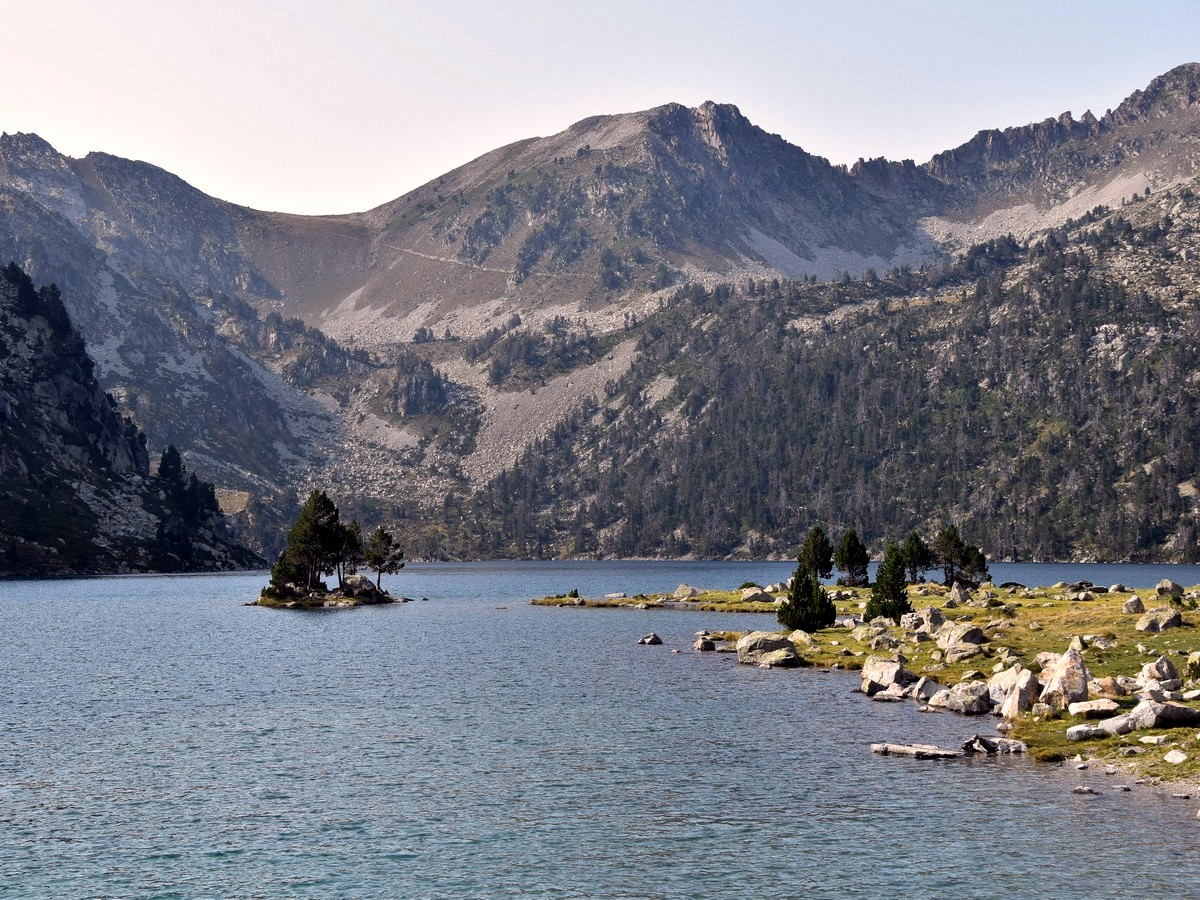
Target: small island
320 544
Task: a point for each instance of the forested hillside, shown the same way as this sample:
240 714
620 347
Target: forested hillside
1028 392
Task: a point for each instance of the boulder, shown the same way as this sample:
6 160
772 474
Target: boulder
704 645
923 689
684 592
879 674
362 587
959 594
1168 588
990 745
1093 709
1162 669
1133 606
1045 659
1175 757
884 642
1022 695
969 698
957 653
752 647
930 619
1068 682
1085 732
1109 685
650 638
1152 714
867 632
962 633
1002 682
1117 588
756 595
1159 619
780 659
801 637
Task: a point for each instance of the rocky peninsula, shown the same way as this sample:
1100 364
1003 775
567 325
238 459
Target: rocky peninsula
1094 675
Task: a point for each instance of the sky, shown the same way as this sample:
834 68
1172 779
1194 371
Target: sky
320 107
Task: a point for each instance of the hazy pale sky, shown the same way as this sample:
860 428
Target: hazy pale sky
321 107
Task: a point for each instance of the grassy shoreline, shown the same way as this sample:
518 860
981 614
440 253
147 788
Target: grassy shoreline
1019 623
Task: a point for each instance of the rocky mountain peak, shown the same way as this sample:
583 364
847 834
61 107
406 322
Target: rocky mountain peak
1172 92
24 145
29 164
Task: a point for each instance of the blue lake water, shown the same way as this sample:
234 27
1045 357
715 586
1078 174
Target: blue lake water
161 739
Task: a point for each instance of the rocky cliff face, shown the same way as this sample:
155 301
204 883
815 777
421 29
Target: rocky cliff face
79 496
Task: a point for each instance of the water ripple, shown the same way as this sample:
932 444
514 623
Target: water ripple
162 740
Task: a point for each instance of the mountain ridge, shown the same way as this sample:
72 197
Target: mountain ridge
417 348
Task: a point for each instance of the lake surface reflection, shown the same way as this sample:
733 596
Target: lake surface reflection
161 739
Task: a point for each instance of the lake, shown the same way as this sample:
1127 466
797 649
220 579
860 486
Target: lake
160 739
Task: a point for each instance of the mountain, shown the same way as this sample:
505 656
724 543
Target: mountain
75 474
407 355
1040 394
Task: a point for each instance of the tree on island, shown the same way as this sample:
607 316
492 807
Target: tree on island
350 551
321 543
807 606
382 554
816 553
889 594
313 545
960 561
852 558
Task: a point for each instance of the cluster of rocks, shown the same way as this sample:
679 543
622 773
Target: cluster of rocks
1062 686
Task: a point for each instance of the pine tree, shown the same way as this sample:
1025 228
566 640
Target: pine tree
382 555
171 471
807 606
350 551
313 547
959 560
816 553
852 558
918 558
948 548
889 594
